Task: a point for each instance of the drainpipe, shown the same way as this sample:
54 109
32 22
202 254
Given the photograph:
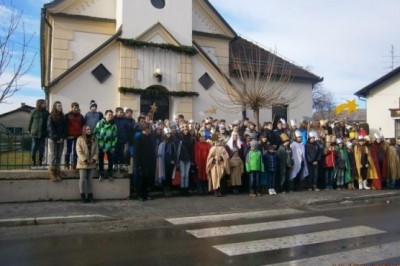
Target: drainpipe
44 23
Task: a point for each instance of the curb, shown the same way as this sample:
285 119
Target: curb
354 198
54 220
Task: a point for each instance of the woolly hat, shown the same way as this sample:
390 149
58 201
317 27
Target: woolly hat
254 144
92 103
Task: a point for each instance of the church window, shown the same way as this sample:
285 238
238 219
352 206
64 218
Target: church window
158 3
101 73
206 81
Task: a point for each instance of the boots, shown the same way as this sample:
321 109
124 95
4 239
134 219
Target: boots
90 198
52 172
83 198
33 161
167 192
360 184
365 184
57 172
66 166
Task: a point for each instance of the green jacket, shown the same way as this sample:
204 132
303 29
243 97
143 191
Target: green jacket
254 161
106 135
38 123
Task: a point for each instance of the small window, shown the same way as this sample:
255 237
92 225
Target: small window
101 73
206 81
158 3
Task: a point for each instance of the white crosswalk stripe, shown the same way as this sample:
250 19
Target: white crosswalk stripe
309 237
249 228
296 240
361 256
231 216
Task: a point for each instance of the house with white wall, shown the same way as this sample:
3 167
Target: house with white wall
383 104
172 55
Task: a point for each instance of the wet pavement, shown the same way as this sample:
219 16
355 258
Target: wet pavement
331 235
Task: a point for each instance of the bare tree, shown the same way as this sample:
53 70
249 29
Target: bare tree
14 60
258 79
323 103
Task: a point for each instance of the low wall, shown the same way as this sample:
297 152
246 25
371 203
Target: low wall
26 185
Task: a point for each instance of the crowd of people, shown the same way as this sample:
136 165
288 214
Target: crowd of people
212 156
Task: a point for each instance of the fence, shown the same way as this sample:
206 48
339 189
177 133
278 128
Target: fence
15 151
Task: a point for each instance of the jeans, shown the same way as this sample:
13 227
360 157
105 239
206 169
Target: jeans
254 180
271 176
185 168
329 177
85 181
312 175
37 146
55 153
120 153
110 157
71 148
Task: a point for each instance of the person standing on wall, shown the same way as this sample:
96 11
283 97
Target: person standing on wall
57 133
38 130
75 122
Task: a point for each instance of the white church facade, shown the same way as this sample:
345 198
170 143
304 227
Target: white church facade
174 54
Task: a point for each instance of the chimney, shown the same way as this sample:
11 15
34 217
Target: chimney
22 104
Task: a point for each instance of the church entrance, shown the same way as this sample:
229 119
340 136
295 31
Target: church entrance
155 102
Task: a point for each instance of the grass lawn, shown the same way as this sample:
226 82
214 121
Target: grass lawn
15 160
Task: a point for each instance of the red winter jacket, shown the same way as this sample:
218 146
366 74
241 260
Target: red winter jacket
329 157
75 122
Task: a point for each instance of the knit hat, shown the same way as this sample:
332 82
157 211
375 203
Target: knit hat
254 144
92 103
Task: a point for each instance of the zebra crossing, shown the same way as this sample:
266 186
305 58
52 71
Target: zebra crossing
323 236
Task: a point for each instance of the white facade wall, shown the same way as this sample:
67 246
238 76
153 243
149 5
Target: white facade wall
380 99
174 17
84 87
98 8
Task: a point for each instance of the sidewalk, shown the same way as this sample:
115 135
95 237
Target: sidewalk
15 214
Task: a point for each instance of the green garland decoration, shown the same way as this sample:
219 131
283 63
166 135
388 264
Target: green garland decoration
189 50
155 92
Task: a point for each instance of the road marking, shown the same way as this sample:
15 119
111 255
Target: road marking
249 228
295 240
231 216
362 256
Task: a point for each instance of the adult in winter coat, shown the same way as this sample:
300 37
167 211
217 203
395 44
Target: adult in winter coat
38 130
57 133
143 157
88 152
185 157
75 122
217 166
285 164
106 135
313 156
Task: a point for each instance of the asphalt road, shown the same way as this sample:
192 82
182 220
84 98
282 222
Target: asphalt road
330 236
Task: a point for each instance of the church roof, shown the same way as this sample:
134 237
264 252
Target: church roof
244 52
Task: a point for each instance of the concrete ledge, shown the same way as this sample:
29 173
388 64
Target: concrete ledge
54 220
67 189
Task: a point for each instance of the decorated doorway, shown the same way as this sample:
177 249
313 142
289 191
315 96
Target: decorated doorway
155 102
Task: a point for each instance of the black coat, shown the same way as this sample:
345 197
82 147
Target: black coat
56 129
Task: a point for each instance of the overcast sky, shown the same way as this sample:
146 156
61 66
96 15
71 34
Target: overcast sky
348 42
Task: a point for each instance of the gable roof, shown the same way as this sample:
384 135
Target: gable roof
220 17
365 91
23 108
242 50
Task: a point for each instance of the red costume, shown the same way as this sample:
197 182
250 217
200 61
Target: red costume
201 149
378 152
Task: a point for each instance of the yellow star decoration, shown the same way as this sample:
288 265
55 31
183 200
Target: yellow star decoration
211 110
153 108
350 106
